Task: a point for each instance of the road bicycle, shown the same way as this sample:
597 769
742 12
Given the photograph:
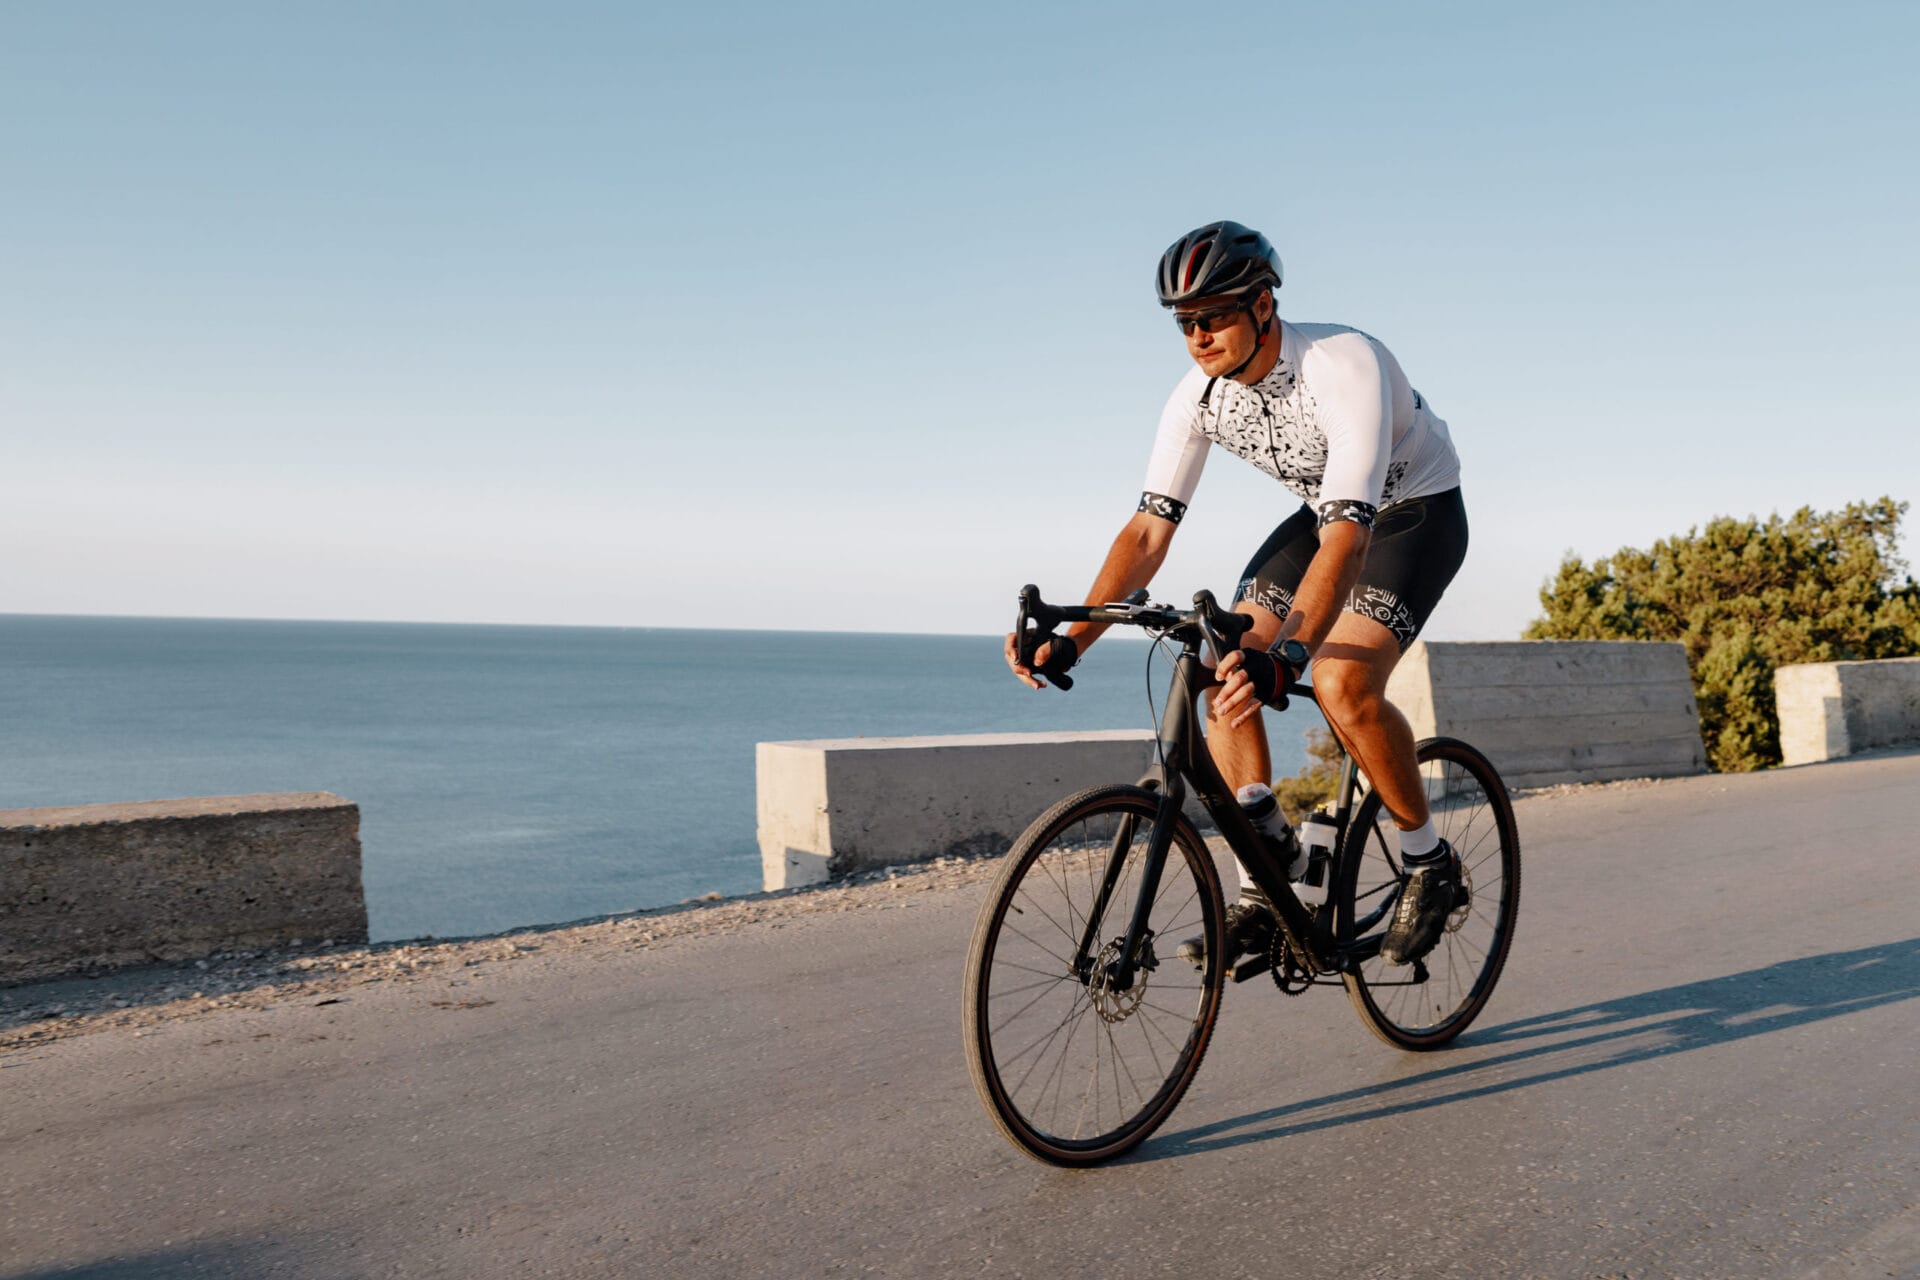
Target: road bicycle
1083 1025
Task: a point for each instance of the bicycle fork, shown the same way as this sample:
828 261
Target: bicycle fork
1135 949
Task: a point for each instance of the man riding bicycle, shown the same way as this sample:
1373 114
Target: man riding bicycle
1346 582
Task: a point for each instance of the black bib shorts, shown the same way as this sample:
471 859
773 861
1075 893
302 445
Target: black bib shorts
1417 547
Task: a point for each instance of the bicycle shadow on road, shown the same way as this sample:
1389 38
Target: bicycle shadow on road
203 1260
1596 1037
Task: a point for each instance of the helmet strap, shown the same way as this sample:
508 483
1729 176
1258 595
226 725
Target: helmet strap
1261 329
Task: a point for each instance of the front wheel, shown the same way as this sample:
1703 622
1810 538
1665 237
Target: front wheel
1471 812
1077 1055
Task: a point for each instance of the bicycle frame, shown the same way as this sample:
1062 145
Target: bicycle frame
1183 761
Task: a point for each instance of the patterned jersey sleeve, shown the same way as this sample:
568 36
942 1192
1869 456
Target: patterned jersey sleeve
1179 452
1356 412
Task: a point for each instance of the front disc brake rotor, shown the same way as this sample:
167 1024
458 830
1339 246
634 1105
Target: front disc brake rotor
1110 1003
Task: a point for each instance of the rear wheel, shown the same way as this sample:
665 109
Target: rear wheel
1075 1060
1471 812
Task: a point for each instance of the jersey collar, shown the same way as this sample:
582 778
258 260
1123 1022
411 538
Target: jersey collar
1281 378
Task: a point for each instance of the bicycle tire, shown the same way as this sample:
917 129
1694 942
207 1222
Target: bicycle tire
1470 808
1045 1045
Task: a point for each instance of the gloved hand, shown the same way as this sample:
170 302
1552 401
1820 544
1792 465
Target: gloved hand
1249 678
1062 655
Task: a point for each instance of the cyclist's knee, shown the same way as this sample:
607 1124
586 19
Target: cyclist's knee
1350 692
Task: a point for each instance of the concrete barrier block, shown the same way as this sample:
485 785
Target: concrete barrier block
1554 711
104 885
837 806
1832 709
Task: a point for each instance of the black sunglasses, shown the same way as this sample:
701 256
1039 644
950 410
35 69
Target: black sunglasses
1213 319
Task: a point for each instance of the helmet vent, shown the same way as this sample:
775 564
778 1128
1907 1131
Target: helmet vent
1193 262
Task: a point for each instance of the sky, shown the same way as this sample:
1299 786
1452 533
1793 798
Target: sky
839 316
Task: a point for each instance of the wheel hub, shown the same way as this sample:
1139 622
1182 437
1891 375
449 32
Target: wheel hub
1109 1001
1465 909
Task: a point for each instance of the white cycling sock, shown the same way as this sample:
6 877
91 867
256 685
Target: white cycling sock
1419 842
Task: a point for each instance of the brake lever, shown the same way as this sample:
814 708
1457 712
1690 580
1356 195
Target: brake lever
1215 640
1024 643
1205 607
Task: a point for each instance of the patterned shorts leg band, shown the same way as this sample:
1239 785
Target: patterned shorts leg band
1416 549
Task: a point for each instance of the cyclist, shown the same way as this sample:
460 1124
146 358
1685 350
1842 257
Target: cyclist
1346 581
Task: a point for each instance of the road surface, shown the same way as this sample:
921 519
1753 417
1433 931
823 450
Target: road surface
1701 1062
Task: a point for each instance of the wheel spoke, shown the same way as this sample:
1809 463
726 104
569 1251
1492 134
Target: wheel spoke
1042 1041
1073 939
1037 945
1045 1037
1066 896
1027 968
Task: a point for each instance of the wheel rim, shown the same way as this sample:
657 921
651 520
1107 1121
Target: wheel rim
1466 961
1080 1063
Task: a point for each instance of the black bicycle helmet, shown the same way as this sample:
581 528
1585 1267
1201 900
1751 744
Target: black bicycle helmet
1221 257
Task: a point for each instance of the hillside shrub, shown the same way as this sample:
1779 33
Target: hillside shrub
1746 596
1314 785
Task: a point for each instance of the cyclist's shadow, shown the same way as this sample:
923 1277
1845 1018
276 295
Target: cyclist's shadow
1597 1037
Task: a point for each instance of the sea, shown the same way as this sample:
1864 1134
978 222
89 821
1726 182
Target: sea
509 775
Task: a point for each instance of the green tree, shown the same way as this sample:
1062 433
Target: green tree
1317 783
1746 596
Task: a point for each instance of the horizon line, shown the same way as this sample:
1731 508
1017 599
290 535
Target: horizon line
542 626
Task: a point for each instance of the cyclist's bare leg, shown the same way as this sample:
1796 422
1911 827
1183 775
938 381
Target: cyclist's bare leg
1350 680
1241 753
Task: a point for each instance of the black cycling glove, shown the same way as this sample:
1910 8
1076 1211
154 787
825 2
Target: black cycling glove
1061 659
1269 674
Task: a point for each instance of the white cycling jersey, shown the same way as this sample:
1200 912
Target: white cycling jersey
1335 421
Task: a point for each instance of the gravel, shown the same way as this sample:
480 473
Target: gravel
41 1012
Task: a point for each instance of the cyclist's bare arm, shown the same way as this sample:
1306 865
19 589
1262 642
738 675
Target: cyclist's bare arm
1136 555
1324 586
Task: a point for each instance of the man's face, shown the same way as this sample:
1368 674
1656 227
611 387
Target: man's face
1233 333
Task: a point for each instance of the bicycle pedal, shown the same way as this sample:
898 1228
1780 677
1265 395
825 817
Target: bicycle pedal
1252 967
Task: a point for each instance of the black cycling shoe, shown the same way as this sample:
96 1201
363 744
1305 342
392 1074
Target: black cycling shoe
1432 892
1249 930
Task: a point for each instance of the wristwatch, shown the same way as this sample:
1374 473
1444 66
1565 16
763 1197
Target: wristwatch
1294 654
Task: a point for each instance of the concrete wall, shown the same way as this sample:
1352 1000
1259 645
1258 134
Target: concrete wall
837 806
117 884
1553 711
1831 709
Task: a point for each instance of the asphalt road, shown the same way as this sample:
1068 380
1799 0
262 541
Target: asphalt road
1700 1063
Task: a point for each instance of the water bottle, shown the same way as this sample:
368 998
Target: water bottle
1263 811
1317 831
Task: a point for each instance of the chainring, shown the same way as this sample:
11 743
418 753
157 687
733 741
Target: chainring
1289 969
